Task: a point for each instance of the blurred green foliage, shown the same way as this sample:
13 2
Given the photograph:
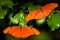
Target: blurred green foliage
7 3
54 21
33 7
2 13
40 22
43 36
18 18
3 10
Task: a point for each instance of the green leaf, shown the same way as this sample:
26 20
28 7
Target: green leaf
40 22
54 21
12 19
33 7
2 13
7 3
18 18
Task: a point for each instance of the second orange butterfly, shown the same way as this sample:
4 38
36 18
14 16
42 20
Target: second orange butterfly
41 13
21 32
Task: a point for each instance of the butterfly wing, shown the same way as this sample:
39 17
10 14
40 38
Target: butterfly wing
5 31
15 31
48 8
35 31
34 15
26 32
40 14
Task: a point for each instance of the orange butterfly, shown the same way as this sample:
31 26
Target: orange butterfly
21 32
41 13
